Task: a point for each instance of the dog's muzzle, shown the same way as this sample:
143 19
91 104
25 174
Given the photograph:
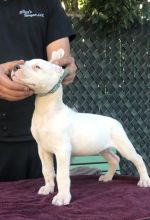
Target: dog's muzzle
16 67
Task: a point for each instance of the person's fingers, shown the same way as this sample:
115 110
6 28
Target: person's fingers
69 63
8 83
66 60
12 95
9 90
15 93
17 87
9 65
69 79
11 98
12 91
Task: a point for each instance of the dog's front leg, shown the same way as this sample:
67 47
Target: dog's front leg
47 170
63 196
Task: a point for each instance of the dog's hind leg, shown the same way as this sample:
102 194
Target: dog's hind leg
48 171
113 161
126 149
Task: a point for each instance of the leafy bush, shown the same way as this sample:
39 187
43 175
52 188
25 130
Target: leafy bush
115 14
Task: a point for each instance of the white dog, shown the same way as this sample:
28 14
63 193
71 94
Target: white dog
61 131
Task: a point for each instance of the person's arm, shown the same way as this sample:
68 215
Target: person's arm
67 61
10 90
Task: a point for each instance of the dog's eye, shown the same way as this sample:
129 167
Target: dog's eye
37 67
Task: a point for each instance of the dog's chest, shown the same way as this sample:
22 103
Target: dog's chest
48 130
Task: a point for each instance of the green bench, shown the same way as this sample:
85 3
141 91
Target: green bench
96 161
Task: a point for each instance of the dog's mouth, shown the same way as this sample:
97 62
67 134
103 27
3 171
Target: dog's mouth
15 78
12 75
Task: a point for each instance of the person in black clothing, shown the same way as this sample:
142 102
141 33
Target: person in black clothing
29 29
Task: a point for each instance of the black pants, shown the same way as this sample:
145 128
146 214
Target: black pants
19 160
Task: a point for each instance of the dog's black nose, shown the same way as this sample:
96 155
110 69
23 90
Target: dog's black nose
16 67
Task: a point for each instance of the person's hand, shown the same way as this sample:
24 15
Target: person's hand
9 90
67 62
9 65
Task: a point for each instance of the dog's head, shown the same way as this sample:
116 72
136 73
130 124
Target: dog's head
39 75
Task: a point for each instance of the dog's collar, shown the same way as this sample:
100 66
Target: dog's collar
55 87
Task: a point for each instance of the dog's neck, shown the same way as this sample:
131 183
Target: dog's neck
49 102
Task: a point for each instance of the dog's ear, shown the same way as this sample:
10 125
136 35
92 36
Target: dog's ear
56 55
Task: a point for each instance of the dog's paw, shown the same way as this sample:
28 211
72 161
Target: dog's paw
61 199
144 182
45 190
105 178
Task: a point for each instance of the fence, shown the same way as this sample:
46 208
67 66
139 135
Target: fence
113 80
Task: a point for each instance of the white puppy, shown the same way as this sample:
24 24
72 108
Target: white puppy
61 131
